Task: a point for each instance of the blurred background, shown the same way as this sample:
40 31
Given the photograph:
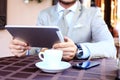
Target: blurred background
25 12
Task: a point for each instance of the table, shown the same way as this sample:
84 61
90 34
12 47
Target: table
23 68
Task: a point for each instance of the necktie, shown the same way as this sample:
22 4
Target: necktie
63 23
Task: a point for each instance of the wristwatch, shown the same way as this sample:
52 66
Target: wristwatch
79 51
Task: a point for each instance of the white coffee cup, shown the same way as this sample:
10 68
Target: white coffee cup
51 57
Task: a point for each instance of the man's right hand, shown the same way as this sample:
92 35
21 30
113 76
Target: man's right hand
18 47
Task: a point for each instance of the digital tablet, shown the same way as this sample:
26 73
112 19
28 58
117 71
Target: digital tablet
36 36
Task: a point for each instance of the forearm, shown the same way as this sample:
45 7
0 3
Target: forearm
102 49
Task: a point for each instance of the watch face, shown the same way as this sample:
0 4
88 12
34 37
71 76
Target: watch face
79 53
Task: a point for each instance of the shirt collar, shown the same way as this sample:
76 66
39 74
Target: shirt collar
72 8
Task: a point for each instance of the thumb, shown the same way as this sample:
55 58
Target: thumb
66 39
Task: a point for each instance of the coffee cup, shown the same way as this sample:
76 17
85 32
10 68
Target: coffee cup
51 57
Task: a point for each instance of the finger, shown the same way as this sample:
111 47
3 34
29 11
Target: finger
22 54
67 58
43 49
61 45
18 42
70 54
69 43
67 49
19 47
66 39
19 53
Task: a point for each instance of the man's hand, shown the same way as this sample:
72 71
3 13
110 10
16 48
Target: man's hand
68 47
18 47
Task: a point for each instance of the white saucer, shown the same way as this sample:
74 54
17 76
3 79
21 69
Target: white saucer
63 65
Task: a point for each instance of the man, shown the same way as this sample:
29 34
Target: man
87 34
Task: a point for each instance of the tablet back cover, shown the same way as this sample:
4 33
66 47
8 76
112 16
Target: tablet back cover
36 36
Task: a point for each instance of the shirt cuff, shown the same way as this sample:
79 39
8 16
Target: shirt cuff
33 51
27 52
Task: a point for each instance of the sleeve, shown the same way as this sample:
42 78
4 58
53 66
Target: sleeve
39 20
102 44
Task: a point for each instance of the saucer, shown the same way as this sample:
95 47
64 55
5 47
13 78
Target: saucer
63 65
